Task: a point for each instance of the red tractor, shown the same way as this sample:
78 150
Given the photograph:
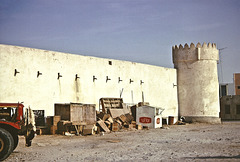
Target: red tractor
12 124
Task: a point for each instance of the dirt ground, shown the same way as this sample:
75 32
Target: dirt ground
191 142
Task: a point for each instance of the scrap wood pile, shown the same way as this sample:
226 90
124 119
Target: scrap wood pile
109 122
115 115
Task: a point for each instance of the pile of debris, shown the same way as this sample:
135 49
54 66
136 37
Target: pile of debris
83 119
109 122
115 115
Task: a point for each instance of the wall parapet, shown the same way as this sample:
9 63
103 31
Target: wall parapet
194 53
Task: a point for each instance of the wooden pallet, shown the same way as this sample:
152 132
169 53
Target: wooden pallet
111 103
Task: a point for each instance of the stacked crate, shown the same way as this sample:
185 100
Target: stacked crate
52 122
79 116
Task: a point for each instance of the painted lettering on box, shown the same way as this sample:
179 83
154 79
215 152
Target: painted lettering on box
145 120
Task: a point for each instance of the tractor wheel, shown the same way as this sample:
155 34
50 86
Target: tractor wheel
15 140
6 144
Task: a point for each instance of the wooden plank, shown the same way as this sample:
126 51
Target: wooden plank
123 118
143 104
89 113
76 114
110 119
116 112
108 124
106 116
79 123
79 129
103 126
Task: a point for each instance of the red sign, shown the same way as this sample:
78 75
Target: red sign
145 120
158 120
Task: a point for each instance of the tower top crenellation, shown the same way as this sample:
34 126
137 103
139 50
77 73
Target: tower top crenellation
194 53
192 46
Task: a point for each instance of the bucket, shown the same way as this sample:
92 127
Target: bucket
170 120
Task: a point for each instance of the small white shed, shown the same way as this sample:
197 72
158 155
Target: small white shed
149 116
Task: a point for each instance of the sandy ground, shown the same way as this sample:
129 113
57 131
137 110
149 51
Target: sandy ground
191 142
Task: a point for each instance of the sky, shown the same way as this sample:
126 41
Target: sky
141 31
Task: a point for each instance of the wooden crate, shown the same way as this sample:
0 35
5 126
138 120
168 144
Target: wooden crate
89 130
111 103
77 112
53 120
115 127
64 126
53 129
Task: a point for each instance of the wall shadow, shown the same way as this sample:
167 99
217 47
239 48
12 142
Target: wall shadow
215 157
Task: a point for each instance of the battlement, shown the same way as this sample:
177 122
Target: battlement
192 46
194 53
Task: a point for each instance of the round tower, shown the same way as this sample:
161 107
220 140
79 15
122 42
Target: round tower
198 87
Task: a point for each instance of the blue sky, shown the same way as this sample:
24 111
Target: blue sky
134 30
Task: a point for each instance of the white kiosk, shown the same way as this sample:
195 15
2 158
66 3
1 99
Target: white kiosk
149 116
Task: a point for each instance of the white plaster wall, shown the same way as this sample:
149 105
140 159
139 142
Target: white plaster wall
42 92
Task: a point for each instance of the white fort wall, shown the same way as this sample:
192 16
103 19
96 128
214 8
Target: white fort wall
43 91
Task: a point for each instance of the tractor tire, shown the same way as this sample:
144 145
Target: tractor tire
6 144
15 140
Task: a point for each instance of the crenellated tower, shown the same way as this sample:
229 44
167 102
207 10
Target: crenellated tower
197 77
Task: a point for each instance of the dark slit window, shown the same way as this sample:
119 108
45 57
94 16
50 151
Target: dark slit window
227 109
238 109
